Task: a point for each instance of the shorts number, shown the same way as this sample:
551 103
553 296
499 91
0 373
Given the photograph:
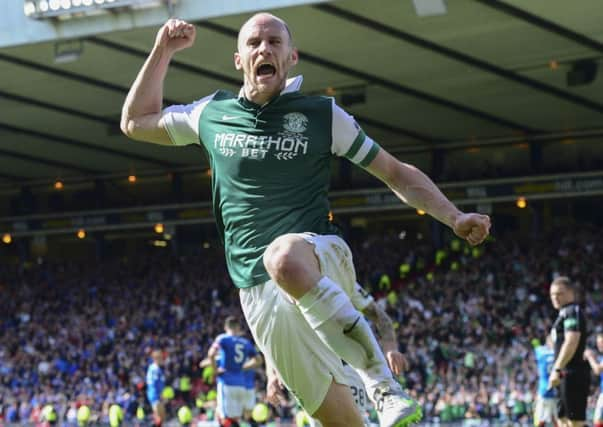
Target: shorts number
359 396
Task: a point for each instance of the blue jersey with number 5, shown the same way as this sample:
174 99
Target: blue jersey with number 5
234 351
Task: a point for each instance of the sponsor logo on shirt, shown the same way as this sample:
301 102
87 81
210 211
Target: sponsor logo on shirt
285 145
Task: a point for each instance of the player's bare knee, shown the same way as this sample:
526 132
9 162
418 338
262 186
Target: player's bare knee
283 261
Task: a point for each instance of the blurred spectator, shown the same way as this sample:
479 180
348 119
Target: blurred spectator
73 334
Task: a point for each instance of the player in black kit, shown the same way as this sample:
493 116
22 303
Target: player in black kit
570 371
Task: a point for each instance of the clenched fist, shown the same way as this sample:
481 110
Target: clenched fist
472 227
175 35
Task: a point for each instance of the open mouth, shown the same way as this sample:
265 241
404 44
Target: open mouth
266 70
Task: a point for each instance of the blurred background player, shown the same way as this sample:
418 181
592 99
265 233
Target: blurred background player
596 363
545 410
570 371
232 355
155 381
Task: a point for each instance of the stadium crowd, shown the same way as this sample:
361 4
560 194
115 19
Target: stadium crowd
75 334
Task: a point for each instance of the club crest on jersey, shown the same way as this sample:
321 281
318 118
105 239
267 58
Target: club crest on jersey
295 122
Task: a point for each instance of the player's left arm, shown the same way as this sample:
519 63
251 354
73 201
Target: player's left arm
254 358
387 337
416 189
253 362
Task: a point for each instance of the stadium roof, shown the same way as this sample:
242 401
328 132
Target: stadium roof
485 71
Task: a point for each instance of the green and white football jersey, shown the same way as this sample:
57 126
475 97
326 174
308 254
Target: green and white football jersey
270 166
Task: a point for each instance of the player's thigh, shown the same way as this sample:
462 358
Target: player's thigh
335 259
550 410
249 400
545 410
229 400
338 408
305 365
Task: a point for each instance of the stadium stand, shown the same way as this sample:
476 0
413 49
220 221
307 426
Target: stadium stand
74 334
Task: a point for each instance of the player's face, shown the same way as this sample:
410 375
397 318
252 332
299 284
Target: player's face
600 343
560 295
158 357
265 55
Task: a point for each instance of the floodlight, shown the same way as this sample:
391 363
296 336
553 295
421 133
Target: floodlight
55 9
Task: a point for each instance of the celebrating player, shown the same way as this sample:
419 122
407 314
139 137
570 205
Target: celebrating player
270 149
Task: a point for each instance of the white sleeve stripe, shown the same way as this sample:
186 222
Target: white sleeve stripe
363 151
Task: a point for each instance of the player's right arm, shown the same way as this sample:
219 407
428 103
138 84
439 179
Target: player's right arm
212 354
141 116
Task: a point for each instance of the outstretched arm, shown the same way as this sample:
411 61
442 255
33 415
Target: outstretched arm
141 112
414 188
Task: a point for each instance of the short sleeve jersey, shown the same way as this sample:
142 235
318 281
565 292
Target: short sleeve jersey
570 318
545 357
270 166
234 351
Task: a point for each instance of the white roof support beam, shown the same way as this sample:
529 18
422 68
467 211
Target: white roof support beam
18 29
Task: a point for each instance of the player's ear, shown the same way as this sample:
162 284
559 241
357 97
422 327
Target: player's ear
237 61
294 56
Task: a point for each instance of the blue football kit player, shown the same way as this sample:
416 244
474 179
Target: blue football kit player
232 356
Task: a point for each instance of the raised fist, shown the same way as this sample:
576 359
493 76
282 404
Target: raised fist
175 35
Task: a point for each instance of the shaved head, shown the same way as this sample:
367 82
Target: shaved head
260 18
265 53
